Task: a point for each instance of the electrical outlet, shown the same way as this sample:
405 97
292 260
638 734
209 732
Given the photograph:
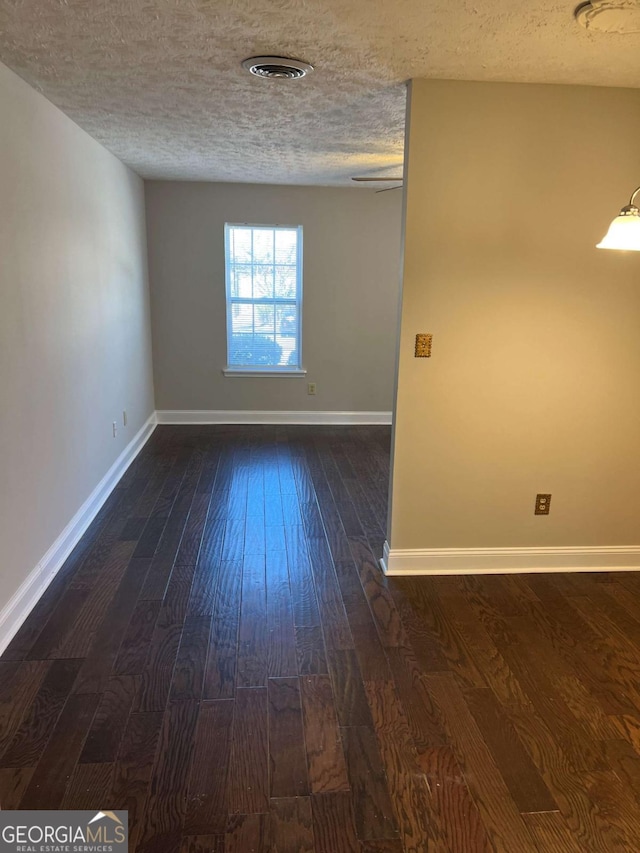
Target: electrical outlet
543 504
115 429
124 418
311 388
423 346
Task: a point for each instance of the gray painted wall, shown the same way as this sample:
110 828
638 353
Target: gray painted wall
351 286
533 382
75 344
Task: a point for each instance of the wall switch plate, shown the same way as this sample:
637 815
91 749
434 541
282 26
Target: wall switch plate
115 429
311 388
423 346
543 504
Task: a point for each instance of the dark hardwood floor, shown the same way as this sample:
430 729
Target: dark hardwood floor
222 656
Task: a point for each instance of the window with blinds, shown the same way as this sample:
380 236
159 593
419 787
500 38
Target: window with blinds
264 297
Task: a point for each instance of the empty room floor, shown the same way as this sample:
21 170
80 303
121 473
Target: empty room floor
222 656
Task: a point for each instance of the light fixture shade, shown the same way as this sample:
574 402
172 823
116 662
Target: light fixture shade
624 231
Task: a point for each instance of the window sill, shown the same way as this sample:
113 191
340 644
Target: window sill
252 373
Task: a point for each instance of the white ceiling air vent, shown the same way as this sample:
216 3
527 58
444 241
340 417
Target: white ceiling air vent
610 16
277 67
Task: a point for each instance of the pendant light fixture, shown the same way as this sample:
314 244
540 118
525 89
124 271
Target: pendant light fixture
624 231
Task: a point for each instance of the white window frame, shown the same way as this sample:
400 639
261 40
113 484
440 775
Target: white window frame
267 370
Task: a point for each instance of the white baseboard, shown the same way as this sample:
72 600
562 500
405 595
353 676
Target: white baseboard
183 416
14 613
479 561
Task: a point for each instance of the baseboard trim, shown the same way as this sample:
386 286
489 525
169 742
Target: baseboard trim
479 561
14 613
184 416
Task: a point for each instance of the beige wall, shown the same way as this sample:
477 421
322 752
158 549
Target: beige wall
534 383
74 327
351 283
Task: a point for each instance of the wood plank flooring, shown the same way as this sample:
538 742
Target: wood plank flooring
222 656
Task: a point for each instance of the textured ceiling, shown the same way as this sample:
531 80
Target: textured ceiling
159 82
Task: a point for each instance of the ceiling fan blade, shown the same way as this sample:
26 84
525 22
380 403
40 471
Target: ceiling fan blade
364 180
386 189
